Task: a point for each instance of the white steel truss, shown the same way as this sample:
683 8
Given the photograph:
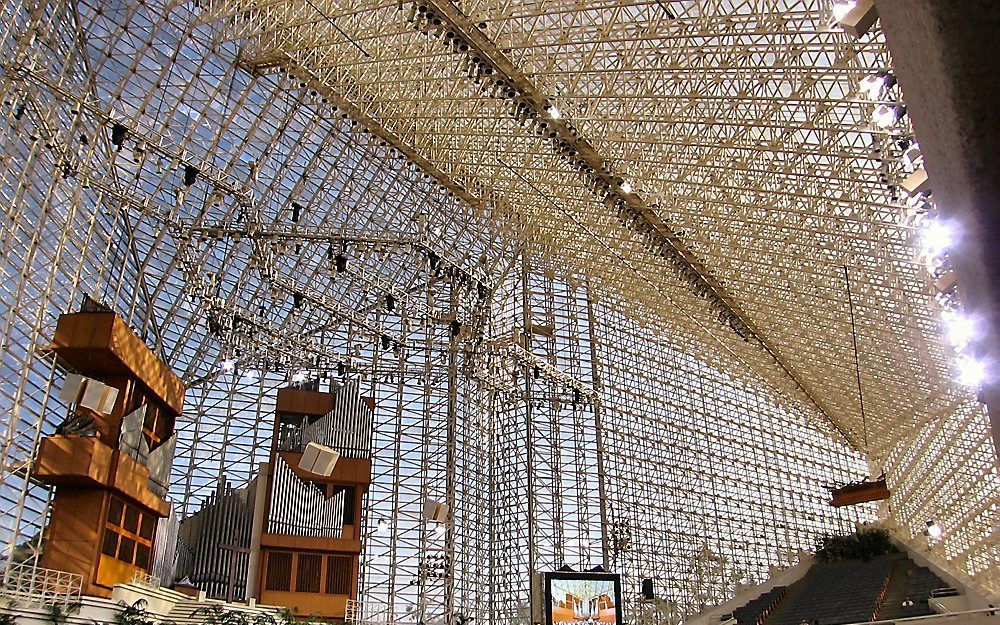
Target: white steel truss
587 258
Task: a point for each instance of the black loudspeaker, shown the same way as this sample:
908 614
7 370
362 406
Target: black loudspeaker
647 589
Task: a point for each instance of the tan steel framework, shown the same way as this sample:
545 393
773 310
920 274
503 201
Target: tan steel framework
619 334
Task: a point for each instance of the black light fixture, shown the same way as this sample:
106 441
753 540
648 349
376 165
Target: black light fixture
385 342
296 211
190 175
297 299
456 327
434 259
118 134
390 302
341 261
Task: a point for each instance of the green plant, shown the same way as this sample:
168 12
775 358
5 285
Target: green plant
59 612
864 545
217 615
285 617
135 614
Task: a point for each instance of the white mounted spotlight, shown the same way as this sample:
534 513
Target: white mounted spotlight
933 530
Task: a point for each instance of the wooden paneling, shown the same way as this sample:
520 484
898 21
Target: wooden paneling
354 471
73 460
310 543
307 604
111 571
102 344
81 461
73 536
298 401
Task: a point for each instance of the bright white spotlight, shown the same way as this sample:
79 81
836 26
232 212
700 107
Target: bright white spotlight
959 328
228 365
971 371
871 86
934 530
842 8
251 374
938 237
298 376
554 112
440 528
383 527
884 116
626 186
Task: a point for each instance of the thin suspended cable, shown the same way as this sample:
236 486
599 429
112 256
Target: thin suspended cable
857 362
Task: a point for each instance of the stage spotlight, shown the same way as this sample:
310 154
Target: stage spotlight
190 175
841 9
971 371
934 530
871 86
553 112
938 237
341 262
118 134
626 186
390 303
884 115
959 328
228 365
383 527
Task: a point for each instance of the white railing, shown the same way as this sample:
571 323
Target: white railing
142 578
931 617
367 613
33 585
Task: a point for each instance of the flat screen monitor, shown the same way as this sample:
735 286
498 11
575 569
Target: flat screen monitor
582 599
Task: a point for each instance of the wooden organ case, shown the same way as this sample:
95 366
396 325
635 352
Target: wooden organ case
110 459
309 540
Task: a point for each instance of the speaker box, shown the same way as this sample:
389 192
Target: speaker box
860 19
71 388
435 510
318 459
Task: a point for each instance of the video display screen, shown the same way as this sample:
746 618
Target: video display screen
582 599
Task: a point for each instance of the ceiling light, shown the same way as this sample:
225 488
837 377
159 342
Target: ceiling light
251 374
383 527
937 237
934 530
554 112
626 186
959 328
871 86
298 376
227 365
885 116
971 371
841 9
